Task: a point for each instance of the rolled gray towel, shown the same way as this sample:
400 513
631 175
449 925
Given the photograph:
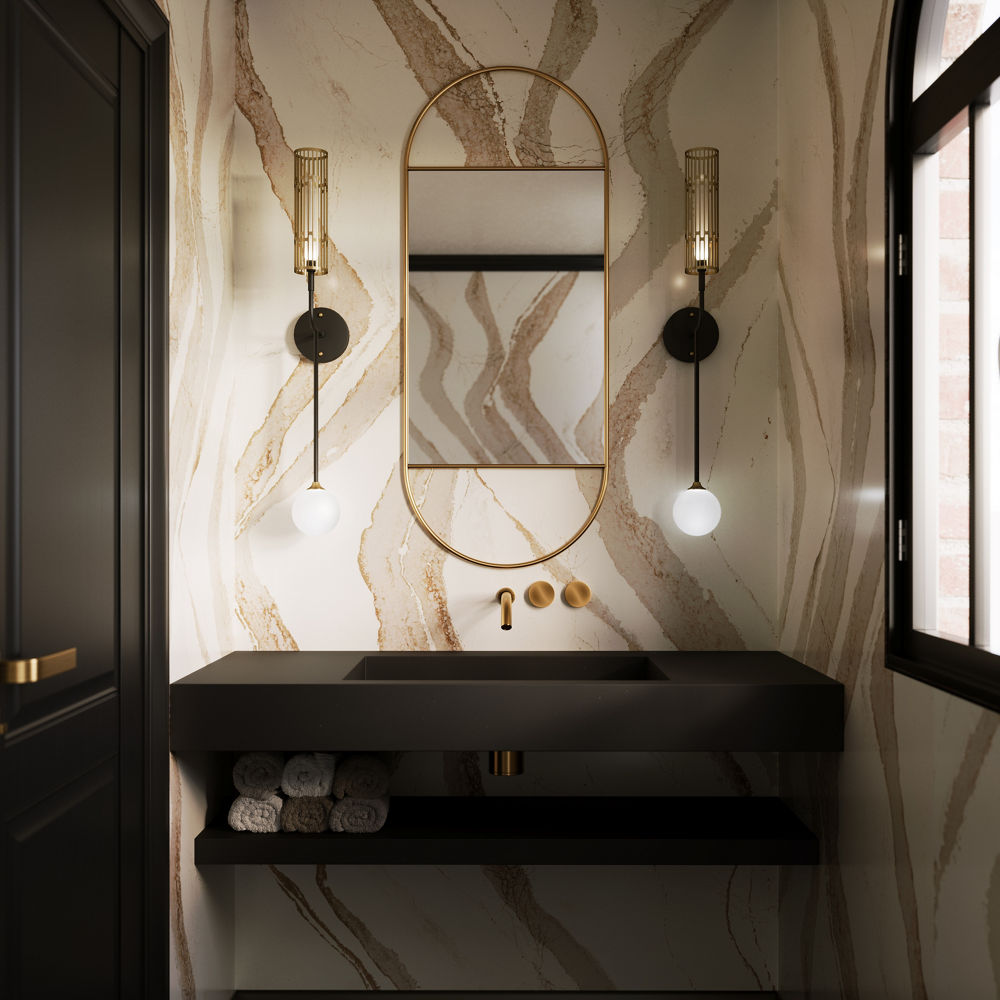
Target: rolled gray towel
258 774
306 814
350 815
362 776
308 774
256 815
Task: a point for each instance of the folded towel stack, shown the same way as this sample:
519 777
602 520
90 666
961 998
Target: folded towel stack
255 815
308 774
360 783
307 780
361 786
306 814
258 774
350 815
362 776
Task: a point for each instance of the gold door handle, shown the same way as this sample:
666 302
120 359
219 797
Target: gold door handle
37 667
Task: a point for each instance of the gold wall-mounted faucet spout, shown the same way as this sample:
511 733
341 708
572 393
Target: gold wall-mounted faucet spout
506 598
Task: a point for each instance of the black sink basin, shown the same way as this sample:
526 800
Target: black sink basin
502 667
530 700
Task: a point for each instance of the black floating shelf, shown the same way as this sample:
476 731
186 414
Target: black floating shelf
502 830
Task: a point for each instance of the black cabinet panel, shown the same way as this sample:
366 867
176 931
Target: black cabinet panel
83 880
62 859
69 369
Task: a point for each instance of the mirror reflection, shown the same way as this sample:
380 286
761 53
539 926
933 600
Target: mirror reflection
506 367
505 317
506 310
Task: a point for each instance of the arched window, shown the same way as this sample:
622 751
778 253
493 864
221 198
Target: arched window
943 176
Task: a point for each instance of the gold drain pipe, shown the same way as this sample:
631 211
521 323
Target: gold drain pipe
506 763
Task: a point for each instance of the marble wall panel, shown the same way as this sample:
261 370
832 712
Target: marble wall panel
506 367
906 904
251 81
508 927
201 352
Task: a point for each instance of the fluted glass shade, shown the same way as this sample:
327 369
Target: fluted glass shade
701 202
310 210
314 511
697 511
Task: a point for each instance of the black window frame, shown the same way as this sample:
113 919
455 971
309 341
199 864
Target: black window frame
915 127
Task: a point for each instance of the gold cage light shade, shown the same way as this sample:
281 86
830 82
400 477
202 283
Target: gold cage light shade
701 197
310 210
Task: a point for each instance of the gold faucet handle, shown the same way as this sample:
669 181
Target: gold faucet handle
541 594
577 594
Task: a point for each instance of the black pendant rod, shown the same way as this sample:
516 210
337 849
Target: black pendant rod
697 382
311 272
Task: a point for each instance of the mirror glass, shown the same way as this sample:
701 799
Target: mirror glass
506 333
505 318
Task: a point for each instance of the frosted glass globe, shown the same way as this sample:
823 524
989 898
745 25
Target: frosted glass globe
697 511
315 511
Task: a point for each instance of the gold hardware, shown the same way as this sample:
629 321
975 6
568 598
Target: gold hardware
506 598
506 763
37 668
541 594
405 402
519 69
503 465
577 594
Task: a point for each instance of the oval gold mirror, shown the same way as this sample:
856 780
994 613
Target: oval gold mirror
505 317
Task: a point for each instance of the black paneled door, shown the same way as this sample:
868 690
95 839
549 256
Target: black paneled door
83 909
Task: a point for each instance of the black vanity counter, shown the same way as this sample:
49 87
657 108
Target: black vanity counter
429 701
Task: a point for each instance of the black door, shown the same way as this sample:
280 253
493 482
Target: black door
83 906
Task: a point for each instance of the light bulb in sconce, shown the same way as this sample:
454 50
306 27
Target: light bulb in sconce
310 252
697 511
315 511
701 250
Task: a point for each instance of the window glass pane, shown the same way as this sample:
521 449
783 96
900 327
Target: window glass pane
941 366
947 29
987 327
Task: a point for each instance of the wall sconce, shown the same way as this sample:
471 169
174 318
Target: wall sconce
321 335
690 335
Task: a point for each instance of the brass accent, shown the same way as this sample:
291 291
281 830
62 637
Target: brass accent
504 465
519 69
36 668
405 271
310 211
577 594
701 207
506 598
506 763
541 594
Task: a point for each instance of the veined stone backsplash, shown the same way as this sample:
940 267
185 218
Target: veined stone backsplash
792 423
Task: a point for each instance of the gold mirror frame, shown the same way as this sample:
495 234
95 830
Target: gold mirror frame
405 407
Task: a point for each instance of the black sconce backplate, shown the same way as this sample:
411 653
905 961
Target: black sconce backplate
333 335
678 334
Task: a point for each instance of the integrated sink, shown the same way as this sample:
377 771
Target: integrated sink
467 667
363 700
